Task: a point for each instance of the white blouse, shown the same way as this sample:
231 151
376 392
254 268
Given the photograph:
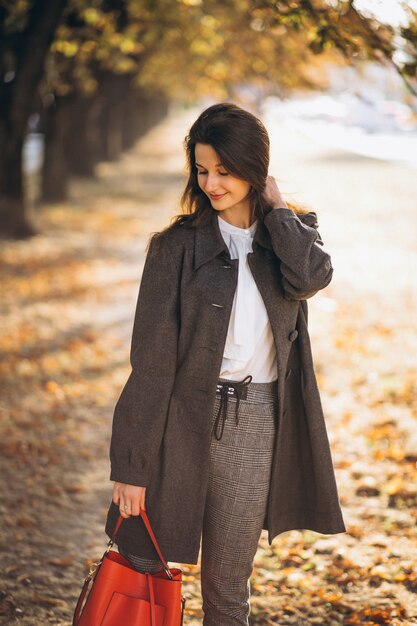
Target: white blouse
250 346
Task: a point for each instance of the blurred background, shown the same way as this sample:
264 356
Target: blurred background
95 101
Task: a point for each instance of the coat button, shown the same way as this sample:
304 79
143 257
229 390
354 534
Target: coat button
293 335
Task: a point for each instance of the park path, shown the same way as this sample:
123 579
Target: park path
68 305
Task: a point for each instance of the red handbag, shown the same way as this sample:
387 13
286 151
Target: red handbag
122 596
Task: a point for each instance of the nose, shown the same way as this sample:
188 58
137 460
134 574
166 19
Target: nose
212 184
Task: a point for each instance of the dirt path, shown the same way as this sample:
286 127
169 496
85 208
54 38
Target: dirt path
68 304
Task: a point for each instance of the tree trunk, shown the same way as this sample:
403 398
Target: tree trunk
83 143
55 171
142 112
16 97
129 121
13 222
113 92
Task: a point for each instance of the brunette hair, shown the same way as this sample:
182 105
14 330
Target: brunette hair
241 141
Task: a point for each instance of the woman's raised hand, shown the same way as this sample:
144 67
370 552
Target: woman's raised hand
129 498
272 194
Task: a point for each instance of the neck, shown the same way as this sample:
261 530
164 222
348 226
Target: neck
239 218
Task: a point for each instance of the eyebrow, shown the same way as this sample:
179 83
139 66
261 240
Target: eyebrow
199 164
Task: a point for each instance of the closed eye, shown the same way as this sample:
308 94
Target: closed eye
221 173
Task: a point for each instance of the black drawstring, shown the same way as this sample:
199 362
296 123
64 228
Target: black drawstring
224 392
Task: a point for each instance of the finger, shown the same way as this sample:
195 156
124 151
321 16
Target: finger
135 507
127 508
124 508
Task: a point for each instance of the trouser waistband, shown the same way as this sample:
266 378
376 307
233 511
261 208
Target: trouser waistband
259 392
241 389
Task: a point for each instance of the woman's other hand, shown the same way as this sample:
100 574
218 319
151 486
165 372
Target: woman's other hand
129 498
273 195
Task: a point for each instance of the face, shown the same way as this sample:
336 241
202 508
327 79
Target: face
226 193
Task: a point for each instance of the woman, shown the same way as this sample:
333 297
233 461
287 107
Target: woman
220 425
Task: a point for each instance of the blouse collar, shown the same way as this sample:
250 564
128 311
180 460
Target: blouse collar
209 241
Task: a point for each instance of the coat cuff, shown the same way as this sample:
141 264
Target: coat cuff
280 214
305 266
129 477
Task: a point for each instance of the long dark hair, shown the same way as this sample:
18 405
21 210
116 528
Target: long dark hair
242 143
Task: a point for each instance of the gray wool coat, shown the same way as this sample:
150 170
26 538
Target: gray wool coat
162 420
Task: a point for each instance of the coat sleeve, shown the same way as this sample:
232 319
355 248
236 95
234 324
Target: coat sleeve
305 266
141 410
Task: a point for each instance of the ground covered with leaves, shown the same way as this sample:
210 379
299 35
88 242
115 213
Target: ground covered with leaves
67 306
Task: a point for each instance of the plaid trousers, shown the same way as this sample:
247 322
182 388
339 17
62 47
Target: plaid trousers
238 486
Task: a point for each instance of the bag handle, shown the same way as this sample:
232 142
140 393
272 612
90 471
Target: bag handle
77 611
145 518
